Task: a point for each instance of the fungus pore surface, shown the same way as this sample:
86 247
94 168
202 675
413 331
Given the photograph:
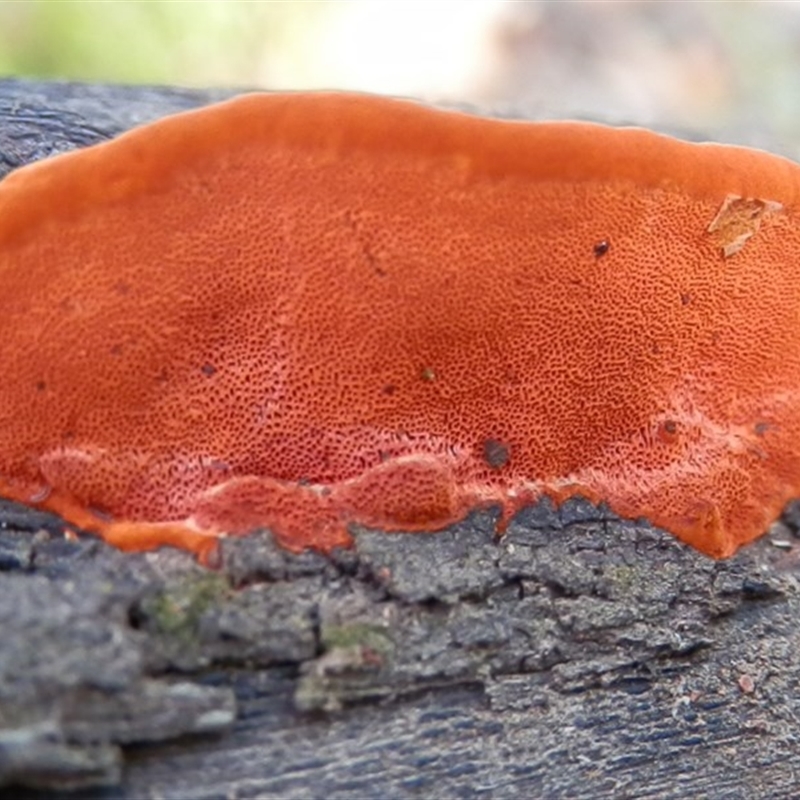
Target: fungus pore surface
308 310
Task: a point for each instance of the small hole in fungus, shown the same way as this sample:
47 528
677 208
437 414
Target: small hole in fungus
601 248
40 386
389 389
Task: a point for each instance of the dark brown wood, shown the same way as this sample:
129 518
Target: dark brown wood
580 656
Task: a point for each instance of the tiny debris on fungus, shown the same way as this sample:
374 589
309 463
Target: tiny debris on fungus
601 248
737 220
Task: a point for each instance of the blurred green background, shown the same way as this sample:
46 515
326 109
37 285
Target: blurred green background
730 69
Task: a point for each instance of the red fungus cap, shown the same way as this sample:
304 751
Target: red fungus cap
300 311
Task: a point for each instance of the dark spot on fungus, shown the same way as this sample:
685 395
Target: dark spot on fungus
428 375
601 248
373 261
208 370
116 350
495 453
40 386
686 298
761 428
389 389
668 431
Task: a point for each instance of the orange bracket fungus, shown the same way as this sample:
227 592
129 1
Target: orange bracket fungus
301 311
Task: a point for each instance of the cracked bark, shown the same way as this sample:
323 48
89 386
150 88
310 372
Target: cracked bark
580 656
